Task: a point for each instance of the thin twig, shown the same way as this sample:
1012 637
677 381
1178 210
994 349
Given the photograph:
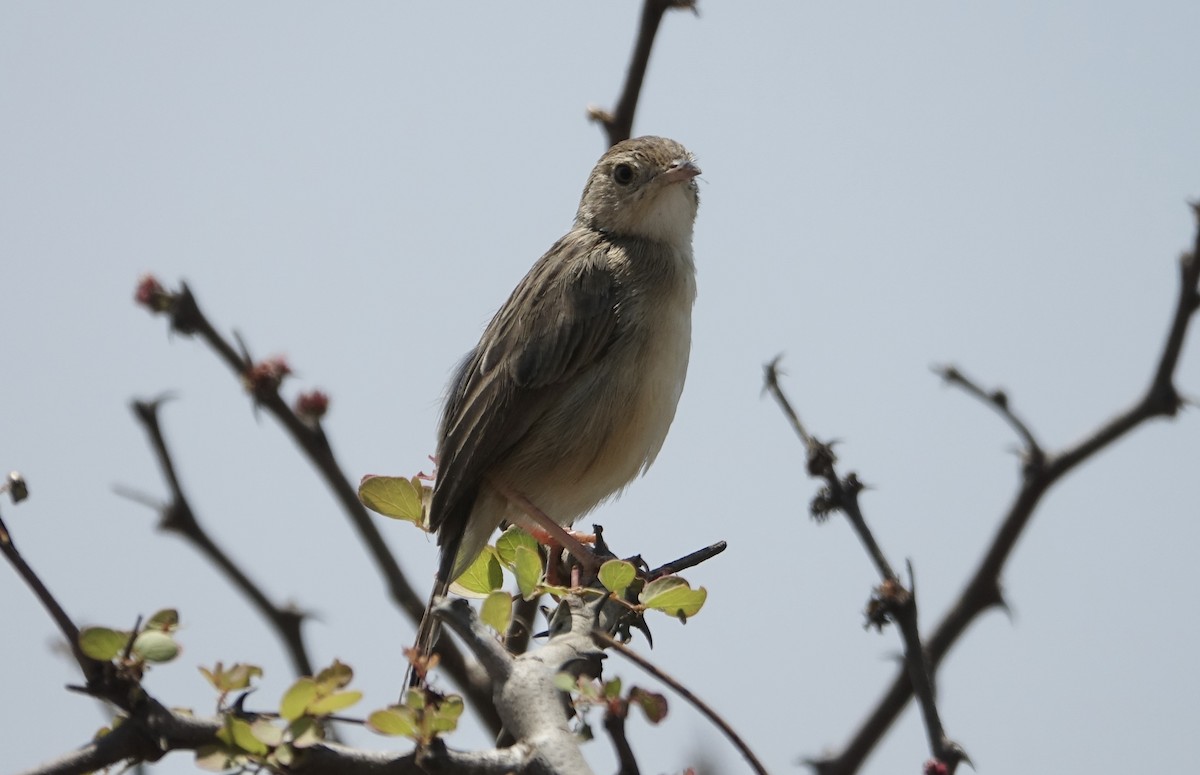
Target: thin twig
998 400
92 669
771 373
178 516
618 125
608 641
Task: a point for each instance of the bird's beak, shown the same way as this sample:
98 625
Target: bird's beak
681 170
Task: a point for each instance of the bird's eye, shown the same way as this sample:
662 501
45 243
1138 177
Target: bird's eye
622 174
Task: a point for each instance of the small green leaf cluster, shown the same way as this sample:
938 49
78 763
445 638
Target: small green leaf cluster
133 651
672 595
515 551
421 716
236 678
271 740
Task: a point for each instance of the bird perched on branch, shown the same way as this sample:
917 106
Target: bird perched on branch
569 394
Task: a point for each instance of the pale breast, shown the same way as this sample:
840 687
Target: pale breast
622 411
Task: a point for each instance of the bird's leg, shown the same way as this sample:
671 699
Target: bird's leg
544 538
557 534
554 553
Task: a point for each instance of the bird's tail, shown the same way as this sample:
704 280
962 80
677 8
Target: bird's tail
430 627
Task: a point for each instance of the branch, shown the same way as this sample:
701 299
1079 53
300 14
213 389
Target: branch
609 641
262 380
982 590
177 516
527 699
614 724
618 125
153 731
998 400
890 601
687 561
93 670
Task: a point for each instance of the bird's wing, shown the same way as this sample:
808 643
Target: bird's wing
560 320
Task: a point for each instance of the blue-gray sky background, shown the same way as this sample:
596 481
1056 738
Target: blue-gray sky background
359 185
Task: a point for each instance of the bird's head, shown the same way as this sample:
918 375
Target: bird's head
644 187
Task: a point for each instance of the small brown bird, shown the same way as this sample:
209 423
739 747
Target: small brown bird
569 394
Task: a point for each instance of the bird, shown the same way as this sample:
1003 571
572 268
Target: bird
570 392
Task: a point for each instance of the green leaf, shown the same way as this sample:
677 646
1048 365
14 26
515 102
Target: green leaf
305 732
496 611
334 677
528 570
266 732
565 682
165 620
217 758
102 643
674 596
507 543
237 733
296 699
617 575
155 646
392 496
445 716
652 704
415 699
482 578
612 689
333 703
395 722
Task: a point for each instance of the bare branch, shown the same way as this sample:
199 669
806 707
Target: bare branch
92 669
890 601
618 125
614 724
177 516
998 400
687 561
982 590
609 641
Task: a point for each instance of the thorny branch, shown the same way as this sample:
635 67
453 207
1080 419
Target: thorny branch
998 400
618 124
891 600
982 591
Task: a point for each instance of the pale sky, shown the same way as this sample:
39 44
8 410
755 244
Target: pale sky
359 186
